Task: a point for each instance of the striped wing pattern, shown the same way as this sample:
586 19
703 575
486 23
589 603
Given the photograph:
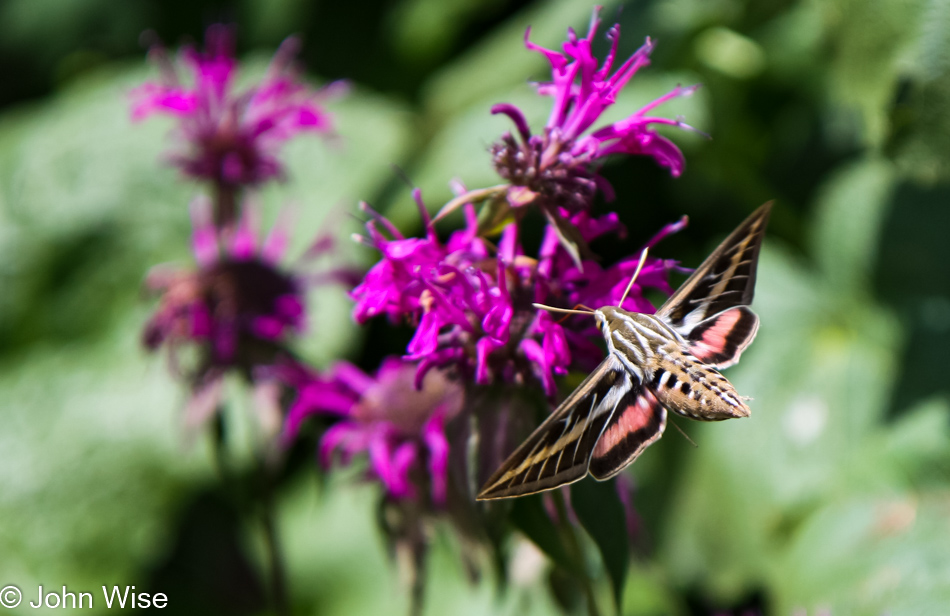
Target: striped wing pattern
719 340
655 364
558 451
726 278
632 429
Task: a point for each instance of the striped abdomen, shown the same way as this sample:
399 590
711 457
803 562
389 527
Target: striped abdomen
661 358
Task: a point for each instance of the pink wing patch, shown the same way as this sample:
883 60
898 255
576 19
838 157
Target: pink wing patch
631 430
635 417
720 339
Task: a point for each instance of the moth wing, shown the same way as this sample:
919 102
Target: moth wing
726 278
719 340
631 429
558 452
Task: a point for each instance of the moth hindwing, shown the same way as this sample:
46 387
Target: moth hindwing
659 363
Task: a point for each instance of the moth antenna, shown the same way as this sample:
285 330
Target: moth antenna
564 310
686 436
643 259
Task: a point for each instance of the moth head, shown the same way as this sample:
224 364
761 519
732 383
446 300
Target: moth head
607 317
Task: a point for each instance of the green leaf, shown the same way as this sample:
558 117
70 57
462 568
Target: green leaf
494 216
501 60
569 237
92 461
868 60
528 516
852 206
601 513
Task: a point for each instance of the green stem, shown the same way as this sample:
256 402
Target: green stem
473 196
275 560
573 546
225 206
244 495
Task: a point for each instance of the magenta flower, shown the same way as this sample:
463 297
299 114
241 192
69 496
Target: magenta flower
239 308
236 293
232 138
472 304
555 166
399 426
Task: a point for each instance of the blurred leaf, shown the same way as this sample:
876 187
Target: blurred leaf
91 462
338 566
914 450
913 276
600 512
647 592
501 60
871 554
47 30
852 206
269 21
687 15
921 122
423 29
871 39
793 42
528 516
730 53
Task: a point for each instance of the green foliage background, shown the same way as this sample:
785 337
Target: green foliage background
835 495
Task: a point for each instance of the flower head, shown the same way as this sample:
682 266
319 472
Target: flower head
400 427
555 166
473 304
232 138
236 304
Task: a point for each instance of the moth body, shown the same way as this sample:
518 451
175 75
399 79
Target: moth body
660 357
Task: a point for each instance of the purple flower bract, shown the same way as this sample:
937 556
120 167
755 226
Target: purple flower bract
236 299
231 138
400 427
555 165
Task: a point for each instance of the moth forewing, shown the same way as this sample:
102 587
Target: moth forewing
558 451
724 280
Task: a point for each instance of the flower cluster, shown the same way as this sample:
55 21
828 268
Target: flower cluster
473 302
239 308
237 292
471 295
554 168
400 426
231 139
